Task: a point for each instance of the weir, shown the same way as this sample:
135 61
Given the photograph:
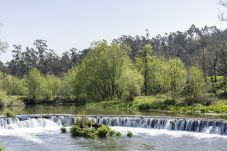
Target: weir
175 124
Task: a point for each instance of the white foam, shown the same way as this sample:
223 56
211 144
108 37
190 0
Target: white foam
157 132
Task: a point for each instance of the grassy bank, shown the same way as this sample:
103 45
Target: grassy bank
160 104
111 104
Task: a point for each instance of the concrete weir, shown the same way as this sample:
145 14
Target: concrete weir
210 126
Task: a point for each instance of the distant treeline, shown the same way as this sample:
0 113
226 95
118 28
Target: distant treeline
186 64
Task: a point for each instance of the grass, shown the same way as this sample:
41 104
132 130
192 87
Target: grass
113 104
144 103
219 107
158 103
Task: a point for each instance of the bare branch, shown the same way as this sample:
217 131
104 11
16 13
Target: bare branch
222 15
223 3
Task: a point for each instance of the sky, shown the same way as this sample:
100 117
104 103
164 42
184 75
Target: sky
67 24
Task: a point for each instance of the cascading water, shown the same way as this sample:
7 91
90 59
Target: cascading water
35 121
192 125
43 121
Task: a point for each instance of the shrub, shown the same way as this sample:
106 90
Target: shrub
102 131
3 99
63 130
85 128
2 148
118 134
129 134
10 114
223 95
204 100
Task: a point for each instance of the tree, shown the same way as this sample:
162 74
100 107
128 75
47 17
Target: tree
70 87
11 85
102 69
33 82
158 68
145 56
3 46
196 85
176 77
130 82
222 14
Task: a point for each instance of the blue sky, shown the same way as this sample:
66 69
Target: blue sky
76 23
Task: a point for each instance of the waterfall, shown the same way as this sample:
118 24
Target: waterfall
35 121
175 124
192 125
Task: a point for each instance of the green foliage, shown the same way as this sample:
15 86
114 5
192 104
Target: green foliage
129 134
157 76
63 130
10 114
86 128
50 87
102 72
103 131
3 99
69 85
176 77
143 60
117 105
196 85
11 85
2 148
145 103
130 83
33 81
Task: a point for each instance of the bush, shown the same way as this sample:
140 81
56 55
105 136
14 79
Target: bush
75 130
85 128
63 130
204 100
3 99
2 148
149 102
129 134
118 134
10 114
103 131
223 95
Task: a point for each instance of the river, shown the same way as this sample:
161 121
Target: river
44 134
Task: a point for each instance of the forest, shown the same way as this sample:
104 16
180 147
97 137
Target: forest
189 67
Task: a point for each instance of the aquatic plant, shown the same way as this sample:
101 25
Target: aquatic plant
129 134
86 128
63 130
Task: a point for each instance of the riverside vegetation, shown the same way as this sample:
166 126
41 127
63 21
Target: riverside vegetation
176 73
86 128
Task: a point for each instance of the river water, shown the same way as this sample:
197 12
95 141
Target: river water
49 138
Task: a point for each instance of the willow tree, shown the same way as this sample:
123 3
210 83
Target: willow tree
98 76
33 83
176 75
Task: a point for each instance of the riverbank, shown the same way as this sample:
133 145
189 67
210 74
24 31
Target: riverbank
151 104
